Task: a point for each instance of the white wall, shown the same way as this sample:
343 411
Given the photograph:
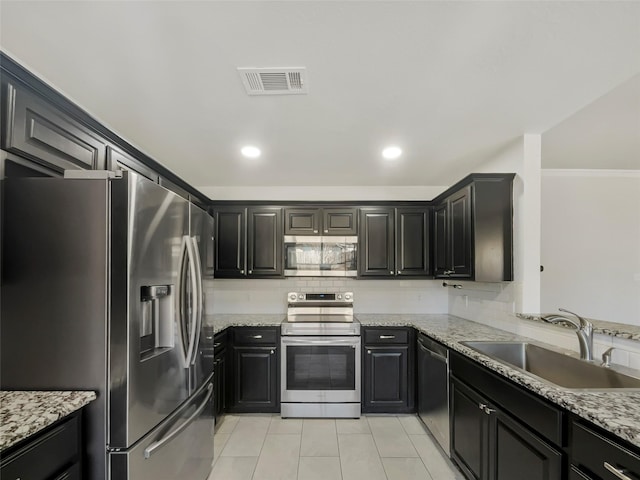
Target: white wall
591 243
371 296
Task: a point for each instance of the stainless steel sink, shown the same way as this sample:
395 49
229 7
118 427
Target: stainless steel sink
555 367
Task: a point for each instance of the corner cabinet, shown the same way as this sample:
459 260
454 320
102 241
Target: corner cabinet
388 370
394 242
473 229
248 242
499 431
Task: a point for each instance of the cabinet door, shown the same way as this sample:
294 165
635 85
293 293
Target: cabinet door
386 379
264 242
47 135
412 242
339 221
441 262
121 161
460 233
470 431
376 243
302 221
229 243
255 379
518 453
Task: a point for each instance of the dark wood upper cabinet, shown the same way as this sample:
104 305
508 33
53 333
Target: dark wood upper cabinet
118 160
230 241
473 230
340 221
302 221
38 130
320 221
376 242
412 242
264 242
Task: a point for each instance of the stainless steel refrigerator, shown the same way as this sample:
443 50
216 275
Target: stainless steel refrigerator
102 290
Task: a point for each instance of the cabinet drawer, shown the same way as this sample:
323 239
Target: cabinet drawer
590 450
47 455
386 336
71 473
544 417
255 336
46 134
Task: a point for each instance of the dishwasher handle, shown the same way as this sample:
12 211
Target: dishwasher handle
442 355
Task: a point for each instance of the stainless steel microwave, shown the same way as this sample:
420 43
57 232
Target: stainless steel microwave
320 256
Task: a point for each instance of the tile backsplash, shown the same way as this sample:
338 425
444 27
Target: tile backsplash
370 296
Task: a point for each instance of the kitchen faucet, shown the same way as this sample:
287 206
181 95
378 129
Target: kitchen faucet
584 330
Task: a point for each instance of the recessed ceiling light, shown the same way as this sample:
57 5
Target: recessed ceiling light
391 153
250 151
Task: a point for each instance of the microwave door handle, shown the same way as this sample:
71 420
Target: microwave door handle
200 294
150 450
194 301
182 303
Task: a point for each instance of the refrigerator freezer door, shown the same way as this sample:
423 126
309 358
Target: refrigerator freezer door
181 447
147 375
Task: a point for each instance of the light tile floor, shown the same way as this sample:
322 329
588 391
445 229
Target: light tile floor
266 447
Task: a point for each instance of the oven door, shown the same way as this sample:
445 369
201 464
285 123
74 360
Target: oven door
320 369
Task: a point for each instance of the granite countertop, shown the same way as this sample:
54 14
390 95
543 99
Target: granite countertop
616 411
24 413
620 330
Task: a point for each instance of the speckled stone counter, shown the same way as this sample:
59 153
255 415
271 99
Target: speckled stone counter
221 321
620 330
24 413
617 412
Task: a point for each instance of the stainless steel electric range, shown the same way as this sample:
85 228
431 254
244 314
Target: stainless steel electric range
320 360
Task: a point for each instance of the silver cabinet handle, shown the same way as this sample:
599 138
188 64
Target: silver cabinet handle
391 272
369 352
272 352
618 472
316 231
485 408
326 231
399 272
385 337
215 345
242 272
448 272
250 272
256 336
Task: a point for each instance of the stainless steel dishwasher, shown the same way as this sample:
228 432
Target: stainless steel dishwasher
433 389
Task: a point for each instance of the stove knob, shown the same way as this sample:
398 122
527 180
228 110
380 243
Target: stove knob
347 296
339 297
301 296
293 297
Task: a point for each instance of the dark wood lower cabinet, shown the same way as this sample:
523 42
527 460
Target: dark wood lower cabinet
388 370
519 453
255 379
55 453
488 444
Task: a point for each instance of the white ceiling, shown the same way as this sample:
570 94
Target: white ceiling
443 80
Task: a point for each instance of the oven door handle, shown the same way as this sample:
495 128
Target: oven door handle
327 341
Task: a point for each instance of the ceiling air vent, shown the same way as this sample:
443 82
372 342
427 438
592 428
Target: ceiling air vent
274 81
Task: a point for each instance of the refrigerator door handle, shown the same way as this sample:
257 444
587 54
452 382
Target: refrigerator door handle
195 297
151 449
182 302
200 295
